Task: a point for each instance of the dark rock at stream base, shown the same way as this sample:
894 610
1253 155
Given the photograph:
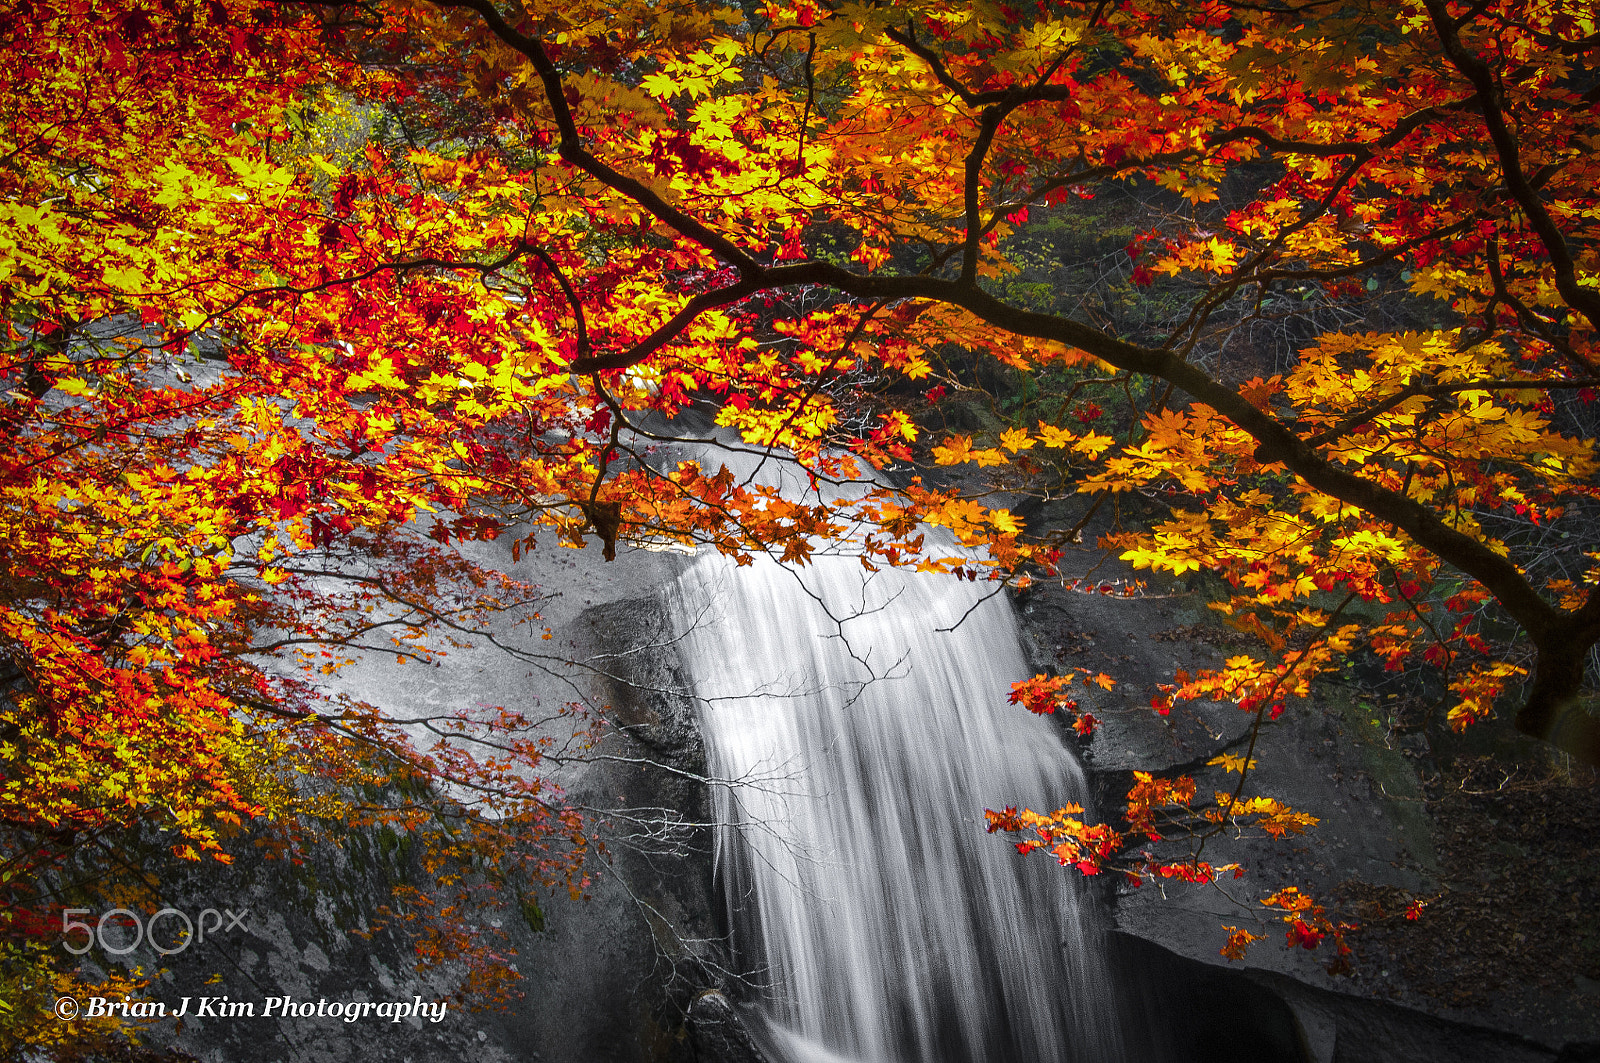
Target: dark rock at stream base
1343 1028
717 1032
1196 1012
1177 1009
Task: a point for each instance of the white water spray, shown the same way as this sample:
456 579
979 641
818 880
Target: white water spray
863 892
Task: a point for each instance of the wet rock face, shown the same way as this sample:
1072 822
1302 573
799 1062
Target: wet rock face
1394 825
296 973
637 675
607 979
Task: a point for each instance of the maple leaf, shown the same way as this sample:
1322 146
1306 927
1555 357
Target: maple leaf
1004 522
1015 440
1229 762
1238 943
953 451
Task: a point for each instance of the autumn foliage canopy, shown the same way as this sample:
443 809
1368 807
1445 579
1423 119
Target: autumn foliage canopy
299 297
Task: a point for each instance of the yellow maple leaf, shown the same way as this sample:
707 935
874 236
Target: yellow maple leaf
989 456
1055 438
954 451
1229 762
1016 439
1004 522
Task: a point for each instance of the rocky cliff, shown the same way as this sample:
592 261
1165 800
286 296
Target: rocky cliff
1495 837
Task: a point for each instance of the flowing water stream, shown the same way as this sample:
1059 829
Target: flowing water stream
880 921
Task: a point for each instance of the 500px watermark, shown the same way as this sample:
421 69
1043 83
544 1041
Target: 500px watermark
224 1007
177 927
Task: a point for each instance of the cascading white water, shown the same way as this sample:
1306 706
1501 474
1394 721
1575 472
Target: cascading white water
886 926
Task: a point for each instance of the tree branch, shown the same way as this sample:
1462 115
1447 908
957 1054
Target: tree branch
1585 300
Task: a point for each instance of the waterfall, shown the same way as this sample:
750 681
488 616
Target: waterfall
862 745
